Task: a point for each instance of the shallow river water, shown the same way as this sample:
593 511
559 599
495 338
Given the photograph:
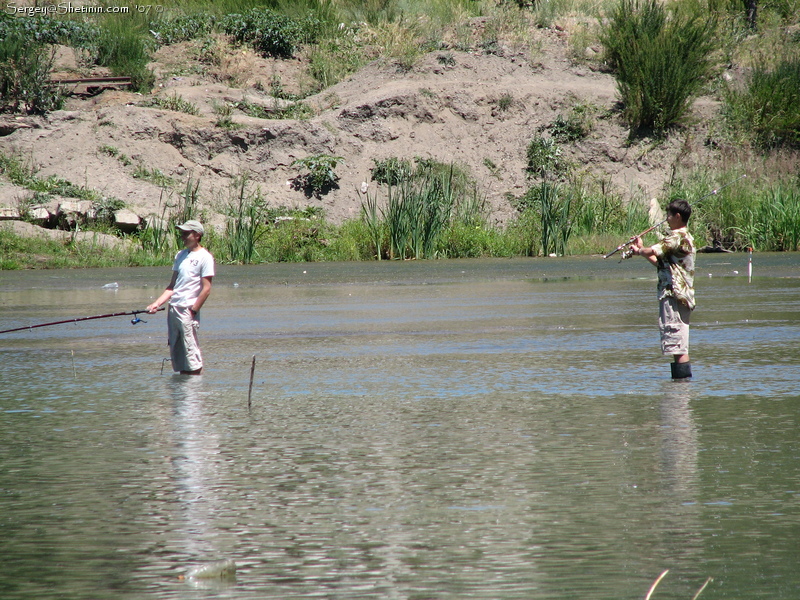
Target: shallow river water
489 429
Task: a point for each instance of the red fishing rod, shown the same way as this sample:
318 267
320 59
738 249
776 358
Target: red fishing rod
134 321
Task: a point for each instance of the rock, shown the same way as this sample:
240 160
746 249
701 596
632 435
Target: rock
9 213
71 212
39 214
126 221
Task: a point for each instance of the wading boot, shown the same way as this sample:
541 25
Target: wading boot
681 370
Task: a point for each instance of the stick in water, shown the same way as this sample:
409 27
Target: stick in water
250 390
655 583
700 591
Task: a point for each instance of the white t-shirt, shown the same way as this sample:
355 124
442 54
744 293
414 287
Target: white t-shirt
191 268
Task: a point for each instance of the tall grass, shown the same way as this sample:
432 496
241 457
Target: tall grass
767 106
555 204
246 212
422 207
124 45
661 59
753 213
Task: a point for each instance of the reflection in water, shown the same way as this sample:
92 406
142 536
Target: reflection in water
194 463
679 443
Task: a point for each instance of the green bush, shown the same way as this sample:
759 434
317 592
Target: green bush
578 124
321 176
544 158
183 28
661 60
269 32
25 77
50 30
768 106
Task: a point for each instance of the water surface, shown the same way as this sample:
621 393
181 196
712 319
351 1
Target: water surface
495 429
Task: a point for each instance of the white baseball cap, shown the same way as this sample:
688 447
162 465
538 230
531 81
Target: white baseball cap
195 226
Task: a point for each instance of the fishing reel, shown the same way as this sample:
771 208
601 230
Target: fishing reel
627 252
136 320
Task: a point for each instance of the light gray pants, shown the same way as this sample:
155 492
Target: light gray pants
673 323
184 349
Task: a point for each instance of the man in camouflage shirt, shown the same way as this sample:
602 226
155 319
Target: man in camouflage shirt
674 258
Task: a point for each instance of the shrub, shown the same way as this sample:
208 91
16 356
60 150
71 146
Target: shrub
270 33
544 158
578 123
660 59
321 176
25 77
49 30
768 107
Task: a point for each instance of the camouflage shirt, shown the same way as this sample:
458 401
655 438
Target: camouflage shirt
675 263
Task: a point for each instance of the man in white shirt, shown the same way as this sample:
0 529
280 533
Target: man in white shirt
188 290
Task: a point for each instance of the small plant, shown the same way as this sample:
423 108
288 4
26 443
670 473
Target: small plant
578 123
174 102
391 171
154 176
114 152
297 110
224 112
505 101
210 51
446 59
544 158
321 176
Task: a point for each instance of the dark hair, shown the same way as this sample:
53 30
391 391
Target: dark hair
680 207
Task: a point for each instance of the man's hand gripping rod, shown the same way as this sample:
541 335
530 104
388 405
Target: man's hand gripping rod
626 253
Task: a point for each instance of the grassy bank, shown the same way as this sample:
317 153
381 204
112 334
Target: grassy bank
432 210
438 215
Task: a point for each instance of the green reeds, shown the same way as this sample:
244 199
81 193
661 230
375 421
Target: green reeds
417 213
246 212
753 213
772 223
555 203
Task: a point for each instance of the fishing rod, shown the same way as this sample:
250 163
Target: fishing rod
134 321
624 245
